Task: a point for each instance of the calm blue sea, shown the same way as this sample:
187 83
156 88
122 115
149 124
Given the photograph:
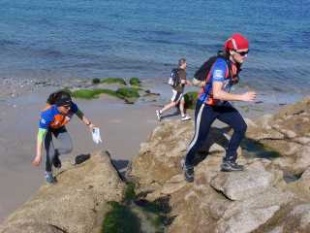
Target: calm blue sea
142 38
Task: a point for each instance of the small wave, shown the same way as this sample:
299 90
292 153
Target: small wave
83 65
7 42
49 53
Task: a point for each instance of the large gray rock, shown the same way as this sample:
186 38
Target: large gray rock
75 204
247 220
256 200
243 185
288 134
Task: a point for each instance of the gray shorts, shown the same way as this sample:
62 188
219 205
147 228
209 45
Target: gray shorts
177 96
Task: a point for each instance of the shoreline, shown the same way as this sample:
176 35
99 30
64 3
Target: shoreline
123 128
12 88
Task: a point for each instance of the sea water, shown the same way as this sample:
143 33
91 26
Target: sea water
141 38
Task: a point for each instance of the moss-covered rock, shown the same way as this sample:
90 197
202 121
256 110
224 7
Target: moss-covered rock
92 93
136 215
130 95
135 82
96 81
114 81
130 193
121 219
190 99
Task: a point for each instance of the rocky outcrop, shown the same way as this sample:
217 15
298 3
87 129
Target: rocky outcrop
259 199
75 204
287 133
256 200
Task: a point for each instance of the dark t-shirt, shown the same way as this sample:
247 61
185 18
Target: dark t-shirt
182 76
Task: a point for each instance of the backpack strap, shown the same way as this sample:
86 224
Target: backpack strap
178 78
234 76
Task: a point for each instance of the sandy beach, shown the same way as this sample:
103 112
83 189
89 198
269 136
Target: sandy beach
123 128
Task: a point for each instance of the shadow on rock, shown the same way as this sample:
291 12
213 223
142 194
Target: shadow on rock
216 136
121 167
81 158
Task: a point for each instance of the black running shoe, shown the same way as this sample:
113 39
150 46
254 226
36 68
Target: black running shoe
56 161
228 166
189 173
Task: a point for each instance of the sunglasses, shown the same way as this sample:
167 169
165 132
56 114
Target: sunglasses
67 106
243 53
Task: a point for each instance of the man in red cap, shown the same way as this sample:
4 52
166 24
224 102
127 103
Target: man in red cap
213 103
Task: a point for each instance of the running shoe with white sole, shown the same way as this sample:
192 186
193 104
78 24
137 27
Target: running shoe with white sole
186 118
158 114
229 166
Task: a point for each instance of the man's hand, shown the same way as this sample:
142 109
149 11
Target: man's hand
249 96
198 83
189 83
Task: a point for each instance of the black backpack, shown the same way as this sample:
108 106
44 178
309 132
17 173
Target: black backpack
202 73
57 95
174 79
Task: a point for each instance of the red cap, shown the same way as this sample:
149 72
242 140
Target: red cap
236 42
